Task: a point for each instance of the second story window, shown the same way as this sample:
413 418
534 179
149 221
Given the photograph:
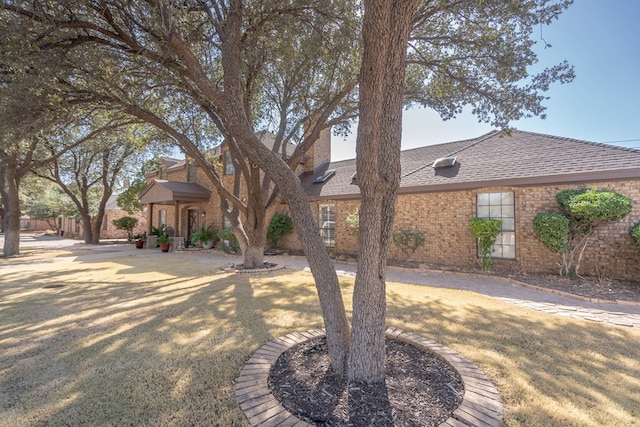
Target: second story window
191 171
228 163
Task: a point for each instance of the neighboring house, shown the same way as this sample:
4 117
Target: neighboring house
29 223
72 225
180 195
506 177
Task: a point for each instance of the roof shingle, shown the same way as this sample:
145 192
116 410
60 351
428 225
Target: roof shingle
521 158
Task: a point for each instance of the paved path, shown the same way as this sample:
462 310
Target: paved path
616 314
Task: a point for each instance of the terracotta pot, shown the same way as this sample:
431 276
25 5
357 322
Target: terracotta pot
139 243
164 247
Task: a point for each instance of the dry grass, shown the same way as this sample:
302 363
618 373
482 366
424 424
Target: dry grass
159 340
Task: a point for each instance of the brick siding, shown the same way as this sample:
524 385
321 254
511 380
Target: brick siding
443 217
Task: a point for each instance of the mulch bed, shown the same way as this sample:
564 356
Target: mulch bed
588 287
263 266
419 390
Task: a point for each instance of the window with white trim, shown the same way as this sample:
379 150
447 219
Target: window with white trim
327 224
228 163
191 171
500 205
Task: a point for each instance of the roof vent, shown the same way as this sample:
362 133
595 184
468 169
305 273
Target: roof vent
444 162
322 178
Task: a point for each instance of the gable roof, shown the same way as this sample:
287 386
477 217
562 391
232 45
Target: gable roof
168 192
494 159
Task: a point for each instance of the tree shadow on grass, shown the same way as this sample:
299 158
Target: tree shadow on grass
131 349
550 370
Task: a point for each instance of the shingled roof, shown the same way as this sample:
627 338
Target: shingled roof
494 159
168 192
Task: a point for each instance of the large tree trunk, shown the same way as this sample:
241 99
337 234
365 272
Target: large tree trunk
87 228
9 189
235 121
385 32
95 232
324 274
252 243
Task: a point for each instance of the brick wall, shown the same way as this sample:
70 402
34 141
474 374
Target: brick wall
610 252
443 217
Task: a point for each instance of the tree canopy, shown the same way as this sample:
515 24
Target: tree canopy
207 71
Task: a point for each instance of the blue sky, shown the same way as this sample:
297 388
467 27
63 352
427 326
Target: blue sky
601 39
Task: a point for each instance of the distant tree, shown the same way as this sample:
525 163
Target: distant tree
88 174
45 201
36 114
128 199
584 210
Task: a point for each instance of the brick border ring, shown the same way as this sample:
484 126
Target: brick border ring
481 404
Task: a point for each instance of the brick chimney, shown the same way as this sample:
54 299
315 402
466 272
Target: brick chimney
319 152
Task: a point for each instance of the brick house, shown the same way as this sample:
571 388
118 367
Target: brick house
72 225
180 195
506 177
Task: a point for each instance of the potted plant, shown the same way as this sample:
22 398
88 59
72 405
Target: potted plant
207 237
139 240
164 241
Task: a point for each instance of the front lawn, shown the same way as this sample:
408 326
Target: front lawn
159 340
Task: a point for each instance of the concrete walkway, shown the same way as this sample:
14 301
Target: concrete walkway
539 300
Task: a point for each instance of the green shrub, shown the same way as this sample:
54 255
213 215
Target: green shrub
594 206
204 235
552 230
280 226
353 221
162 229
485 231
127 223
635 234
408 241
584 209
229 243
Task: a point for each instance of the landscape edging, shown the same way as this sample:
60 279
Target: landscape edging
481 404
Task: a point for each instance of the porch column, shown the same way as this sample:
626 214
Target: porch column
149 219
176 219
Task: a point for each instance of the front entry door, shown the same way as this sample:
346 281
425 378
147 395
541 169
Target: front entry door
192 222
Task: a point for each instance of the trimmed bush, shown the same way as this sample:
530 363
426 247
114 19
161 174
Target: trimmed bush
595 206
280 226
127 223
584 210
635 234
552 230
485 231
